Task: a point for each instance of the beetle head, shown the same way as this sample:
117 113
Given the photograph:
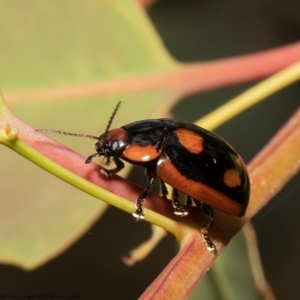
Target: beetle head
110 144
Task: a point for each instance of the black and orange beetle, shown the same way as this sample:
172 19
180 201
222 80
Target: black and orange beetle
189 158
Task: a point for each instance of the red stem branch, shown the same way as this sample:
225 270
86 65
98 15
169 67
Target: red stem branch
182 80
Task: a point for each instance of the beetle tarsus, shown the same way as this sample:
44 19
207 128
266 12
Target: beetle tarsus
178 209
89 159
210 245
106 172
138 214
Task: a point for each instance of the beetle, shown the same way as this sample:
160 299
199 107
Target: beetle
191 159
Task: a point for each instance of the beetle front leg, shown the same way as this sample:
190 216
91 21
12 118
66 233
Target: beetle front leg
119 167
151 175
89 159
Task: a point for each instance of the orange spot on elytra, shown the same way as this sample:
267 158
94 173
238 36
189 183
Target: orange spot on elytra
190 140
232 178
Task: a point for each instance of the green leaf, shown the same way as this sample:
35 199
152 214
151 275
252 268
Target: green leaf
53 44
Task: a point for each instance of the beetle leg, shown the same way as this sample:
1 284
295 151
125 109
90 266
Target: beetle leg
151 175
210 245
210 215
164 189
189 201
118 162
119 167
89 159
178 209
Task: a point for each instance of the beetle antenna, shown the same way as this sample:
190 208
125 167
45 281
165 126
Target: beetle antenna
83 135
112 117
68 133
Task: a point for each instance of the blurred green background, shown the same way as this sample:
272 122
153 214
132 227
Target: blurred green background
191 31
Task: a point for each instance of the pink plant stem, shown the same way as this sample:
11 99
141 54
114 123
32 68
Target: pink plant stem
183 79
275 165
